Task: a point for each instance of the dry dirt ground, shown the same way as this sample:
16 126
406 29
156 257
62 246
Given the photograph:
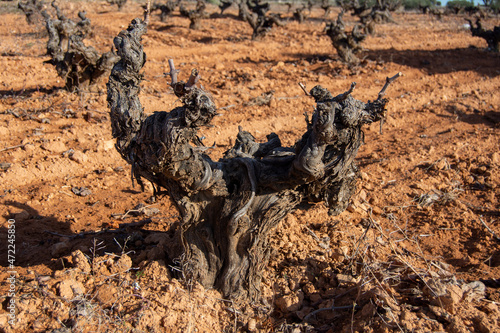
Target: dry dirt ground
418 250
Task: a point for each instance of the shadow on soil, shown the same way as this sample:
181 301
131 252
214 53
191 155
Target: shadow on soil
26 93
44 240
489 118
442 61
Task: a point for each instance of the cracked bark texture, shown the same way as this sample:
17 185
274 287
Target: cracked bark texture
230 207
79 65
348 45
255 13
195 15
32 9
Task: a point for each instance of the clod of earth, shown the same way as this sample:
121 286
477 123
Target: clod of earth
230 207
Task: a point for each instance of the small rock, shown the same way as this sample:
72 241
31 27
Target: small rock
252 325
54 147
441 164
495 158
290 303
5 166
80 261
150 211
453 296
346 279
157 271
59 249
106 294
122 265
474 291
81 191
491 308
337 255
79 157
4 132
4 321
29 147
106 145
21 216
69 289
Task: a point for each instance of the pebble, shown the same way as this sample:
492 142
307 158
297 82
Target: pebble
21 216
495 158
59 249
106 294
54 147
69 289
290 303
80 261
123 264
377 210
106 145
79 157
4 132
81 191
252 325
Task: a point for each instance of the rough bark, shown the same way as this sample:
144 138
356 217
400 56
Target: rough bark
230 207
255 13
32 9
79 65
348 45
370 14
166 9
196 15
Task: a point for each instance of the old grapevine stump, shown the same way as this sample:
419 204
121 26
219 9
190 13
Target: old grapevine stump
347 44
229 207
78 64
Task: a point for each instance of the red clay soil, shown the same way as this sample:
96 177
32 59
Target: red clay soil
418 249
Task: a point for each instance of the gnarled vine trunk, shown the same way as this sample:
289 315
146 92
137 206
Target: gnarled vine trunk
79 65
230 207
347 44
195 15
31 8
